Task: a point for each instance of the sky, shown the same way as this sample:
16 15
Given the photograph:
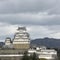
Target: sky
41 18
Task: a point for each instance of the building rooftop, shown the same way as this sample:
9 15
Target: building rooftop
21 28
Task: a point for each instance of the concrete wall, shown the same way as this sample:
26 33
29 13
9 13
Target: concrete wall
10 58
11 51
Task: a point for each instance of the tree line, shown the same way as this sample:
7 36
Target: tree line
31 57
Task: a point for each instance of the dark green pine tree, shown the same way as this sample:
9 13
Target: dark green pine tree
25 57
31 57
35 57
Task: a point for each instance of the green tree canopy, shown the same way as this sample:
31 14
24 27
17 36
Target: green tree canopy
25 57
31 57
43 59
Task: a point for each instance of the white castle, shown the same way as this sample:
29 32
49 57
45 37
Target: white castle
8 41
21 39
43 52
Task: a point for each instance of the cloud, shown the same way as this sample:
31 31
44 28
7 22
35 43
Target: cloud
45 31
35 31
41 18
18 6
55 35
7 30
32 6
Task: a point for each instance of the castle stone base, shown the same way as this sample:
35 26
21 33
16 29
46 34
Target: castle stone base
10 58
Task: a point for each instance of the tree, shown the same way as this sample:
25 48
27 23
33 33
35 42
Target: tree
25 57
43 59
34 57
31 57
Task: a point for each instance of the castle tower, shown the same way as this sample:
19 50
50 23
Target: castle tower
8 41
21 39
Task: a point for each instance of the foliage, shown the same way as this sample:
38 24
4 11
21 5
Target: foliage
58 53
34 57
25 57
31 57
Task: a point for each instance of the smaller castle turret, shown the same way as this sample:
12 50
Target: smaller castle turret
8 41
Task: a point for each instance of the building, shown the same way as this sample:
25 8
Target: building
21 39
42 52
8 41
20 44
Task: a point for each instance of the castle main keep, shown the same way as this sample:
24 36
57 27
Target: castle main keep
21 39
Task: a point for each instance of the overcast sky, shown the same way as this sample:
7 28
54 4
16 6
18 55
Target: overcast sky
41 17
